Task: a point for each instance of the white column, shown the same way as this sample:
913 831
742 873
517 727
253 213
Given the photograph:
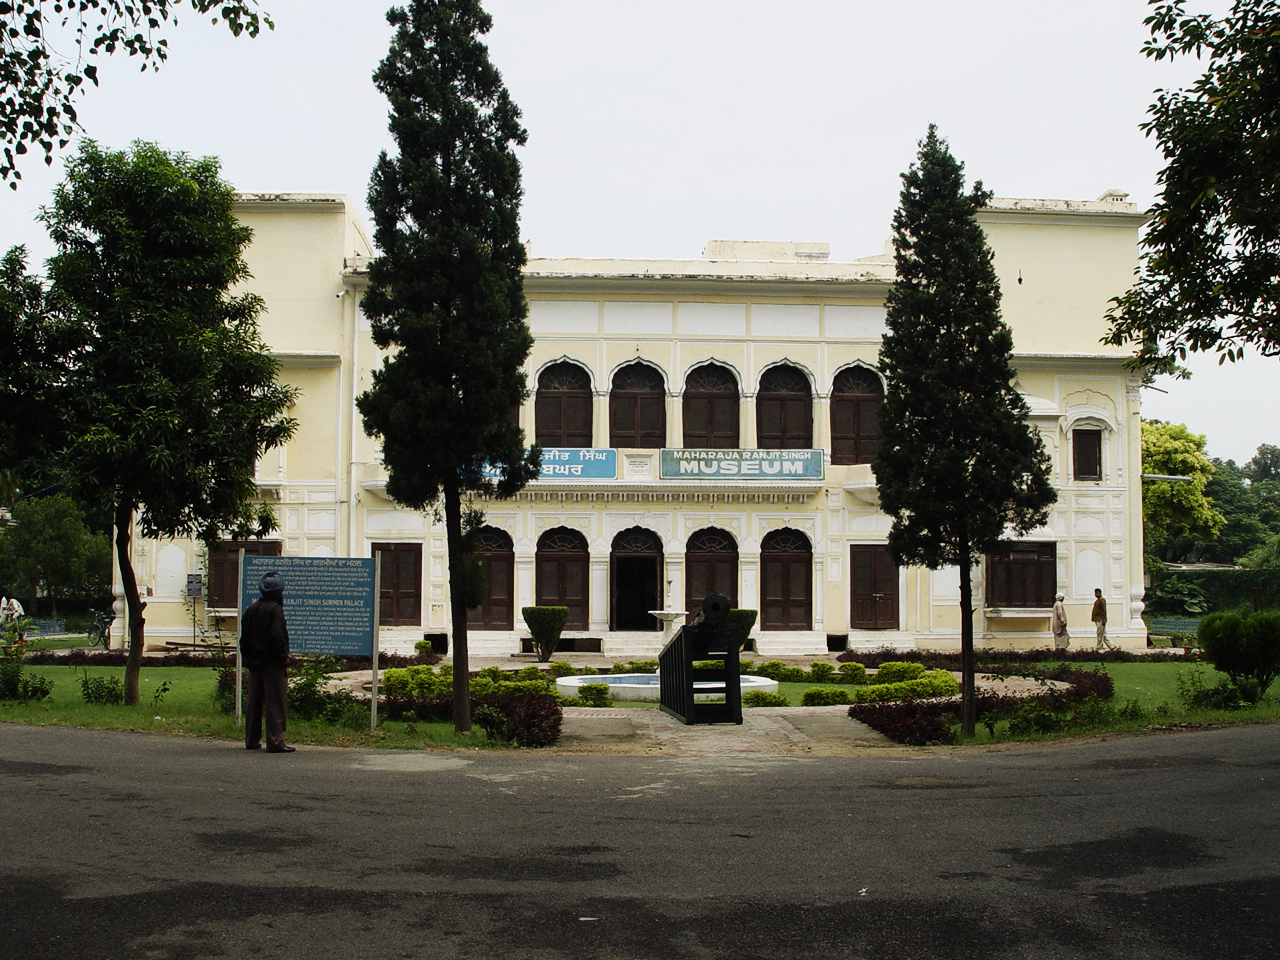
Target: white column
598 603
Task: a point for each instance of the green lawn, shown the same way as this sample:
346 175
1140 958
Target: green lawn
187 708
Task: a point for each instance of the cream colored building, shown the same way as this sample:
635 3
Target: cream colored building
708 424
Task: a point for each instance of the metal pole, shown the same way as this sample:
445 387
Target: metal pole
377 594
239 641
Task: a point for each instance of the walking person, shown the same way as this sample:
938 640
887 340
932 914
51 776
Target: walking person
264 646
1061 639
1099 618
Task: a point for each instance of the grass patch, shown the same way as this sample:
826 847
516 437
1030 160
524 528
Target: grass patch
65 641
187 709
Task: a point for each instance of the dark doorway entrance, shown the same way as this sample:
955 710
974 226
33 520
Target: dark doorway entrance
874 590
636 574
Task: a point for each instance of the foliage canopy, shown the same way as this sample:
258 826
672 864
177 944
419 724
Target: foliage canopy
39 83
1175 508
174 396
51 552
40 350
1209 277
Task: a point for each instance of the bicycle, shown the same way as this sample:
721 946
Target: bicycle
100 630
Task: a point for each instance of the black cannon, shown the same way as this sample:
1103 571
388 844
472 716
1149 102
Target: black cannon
709 636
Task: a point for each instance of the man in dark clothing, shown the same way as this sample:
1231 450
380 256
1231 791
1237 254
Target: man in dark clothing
264 645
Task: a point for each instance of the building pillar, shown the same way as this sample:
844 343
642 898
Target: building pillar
598 604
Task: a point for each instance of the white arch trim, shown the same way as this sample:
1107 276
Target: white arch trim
565 358
788 362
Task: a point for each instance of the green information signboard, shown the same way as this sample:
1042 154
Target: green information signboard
330 603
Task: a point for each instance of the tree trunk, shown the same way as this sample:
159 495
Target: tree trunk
968 703
133 602
457 609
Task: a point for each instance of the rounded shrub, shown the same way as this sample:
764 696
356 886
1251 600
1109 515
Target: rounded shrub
546 625
821 672
763 698
824 697
595 695
896 671
853 672
1244 646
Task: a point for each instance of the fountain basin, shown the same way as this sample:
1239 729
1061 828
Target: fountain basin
644 686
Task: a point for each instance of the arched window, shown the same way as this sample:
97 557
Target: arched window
855 423
635 580
711 566
637 408
784 410
562 407
561 569
498 559
786 567
711 408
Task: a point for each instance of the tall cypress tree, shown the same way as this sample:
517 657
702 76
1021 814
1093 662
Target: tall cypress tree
446 295
958 467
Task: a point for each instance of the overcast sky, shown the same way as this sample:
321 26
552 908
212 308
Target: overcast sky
656 125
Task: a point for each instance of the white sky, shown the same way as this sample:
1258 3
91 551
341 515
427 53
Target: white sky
656 125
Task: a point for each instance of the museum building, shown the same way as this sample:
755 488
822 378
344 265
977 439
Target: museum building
706 424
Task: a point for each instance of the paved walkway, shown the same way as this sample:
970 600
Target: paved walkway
765 731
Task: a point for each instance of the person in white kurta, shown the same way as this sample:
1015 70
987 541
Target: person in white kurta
1061 639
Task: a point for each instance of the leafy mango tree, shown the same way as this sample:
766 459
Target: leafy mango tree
172 395
1173 508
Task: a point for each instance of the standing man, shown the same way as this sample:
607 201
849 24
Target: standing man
1099 618
1061 639
264 645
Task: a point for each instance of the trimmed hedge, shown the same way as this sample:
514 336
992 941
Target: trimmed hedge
896 671
762 698
999 661
824 697
911 722
936 683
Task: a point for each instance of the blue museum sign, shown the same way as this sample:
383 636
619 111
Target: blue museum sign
578 463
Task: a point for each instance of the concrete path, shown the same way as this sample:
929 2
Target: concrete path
765 731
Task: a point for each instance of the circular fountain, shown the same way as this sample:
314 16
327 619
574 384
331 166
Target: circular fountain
644 686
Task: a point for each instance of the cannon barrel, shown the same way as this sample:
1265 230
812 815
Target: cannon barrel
714 611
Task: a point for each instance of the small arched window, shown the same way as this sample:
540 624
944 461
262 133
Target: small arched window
562 407
711 408
855 421
637 408
784 410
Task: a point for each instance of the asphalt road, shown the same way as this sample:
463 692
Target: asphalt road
127 845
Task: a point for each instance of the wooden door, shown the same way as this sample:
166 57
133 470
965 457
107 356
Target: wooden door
873 587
